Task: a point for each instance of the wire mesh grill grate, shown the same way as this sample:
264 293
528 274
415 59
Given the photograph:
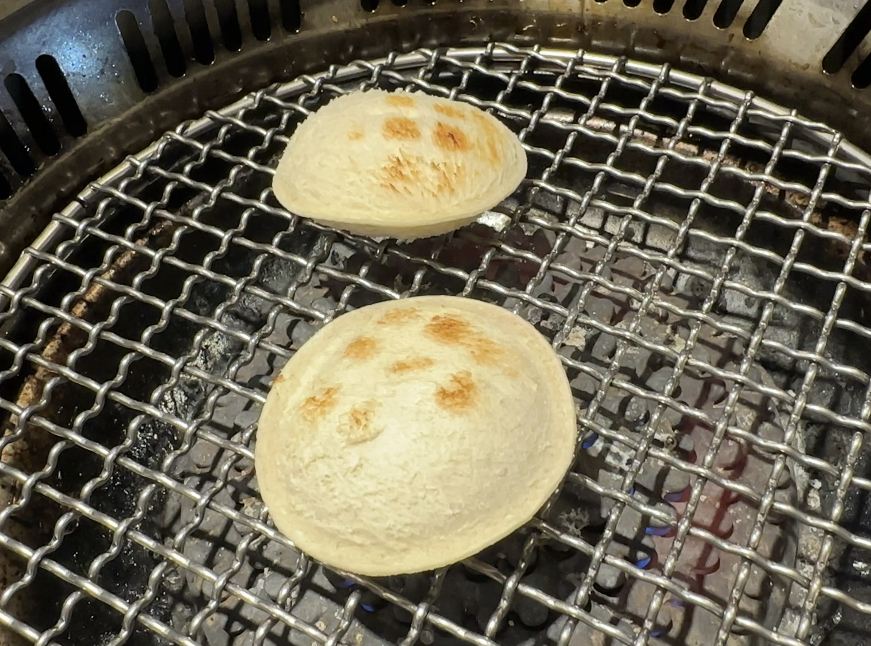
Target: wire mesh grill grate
696 255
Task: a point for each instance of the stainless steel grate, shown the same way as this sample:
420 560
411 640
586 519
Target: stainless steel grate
696 254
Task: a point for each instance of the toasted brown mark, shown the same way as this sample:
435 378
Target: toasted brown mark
491 134
401 169
458 394
410 365
400 100
401 128
278 380
355 135
447 177
449 329
450 138
400 174
316 406
403 174
484 350
360 348
453 330
398 316
357 425
449 111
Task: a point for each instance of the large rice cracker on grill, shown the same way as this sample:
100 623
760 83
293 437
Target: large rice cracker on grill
409 435
398 165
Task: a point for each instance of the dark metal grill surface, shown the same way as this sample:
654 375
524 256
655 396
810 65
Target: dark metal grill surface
696 254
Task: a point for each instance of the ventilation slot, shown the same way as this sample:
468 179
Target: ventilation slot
164 27
32 113
759 19
5 188
849 41
134 43
662 6
726 13
61 95
693 9
631 3
229 21
14 150
195 16
261 27
369 5
291 15
399 3
862 76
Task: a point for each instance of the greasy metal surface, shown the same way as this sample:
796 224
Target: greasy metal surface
696 255
784 63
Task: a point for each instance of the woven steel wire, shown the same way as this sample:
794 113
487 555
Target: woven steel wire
543 73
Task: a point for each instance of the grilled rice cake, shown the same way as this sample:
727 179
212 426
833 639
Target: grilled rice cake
398 165
408 435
